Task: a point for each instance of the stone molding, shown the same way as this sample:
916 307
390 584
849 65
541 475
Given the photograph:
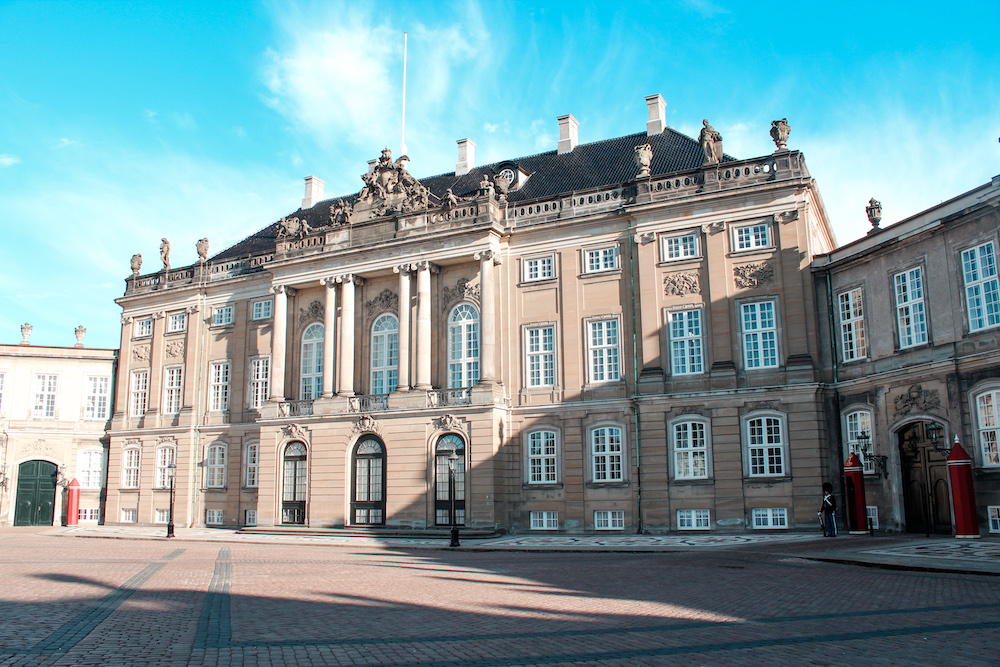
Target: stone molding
749 276
682 283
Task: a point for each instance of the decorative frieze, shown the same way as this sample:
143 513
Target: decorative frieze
295 432
682 283
916 399
463 289
140 353
315 311
175 348
447 423
749 276
386 300
366 424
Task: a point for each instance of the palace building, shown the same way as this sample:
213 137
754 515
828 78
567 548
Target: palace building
619 335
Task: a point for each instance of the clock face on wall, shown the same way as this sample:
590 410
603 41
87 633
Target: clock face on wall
508 174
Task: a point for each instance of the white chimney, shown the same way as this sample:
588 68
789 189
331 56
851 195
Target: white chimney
314 191
466 157
567 133
657 115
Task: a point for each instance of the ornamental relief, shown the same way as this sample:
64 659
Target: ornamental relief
315 311
749 276
175 348
141 353
366 424
385 301
916 399
450 423
681 284
463 289
295 432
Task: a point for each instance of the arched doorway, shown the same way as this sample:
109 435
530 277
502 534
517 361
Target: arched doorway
926 496
36 494
368 499
293 493
446 446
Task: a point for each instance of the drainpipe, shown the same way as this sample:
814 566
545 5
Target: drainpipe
836 392
634 398
198 416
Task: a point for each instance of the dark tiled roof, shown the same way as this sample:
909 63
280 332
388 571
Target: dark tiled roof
588 166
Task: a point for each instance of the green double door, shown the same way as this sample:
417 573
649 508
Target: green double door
36 494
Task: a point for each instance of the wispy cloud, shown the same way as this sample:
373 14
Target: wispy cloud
8 160
65 142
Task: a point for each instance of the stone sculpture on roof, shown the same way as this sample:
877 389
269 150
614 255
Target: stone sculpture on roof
340 212
779 133
136 263
202 248
165 253
643 159
711 143
293 227
389 188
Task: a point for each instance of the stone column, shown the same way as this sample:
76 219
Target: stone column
403 383
487 286
278 335
345 387
329 322
424 325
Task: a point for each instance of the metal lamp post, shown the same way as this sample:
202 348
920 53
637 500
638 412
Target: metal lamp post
452 458
939 444
173 484
880 463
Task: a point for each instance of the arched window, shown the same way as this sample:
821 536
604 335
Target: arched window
385 354
293 496
368 500
449 454
215 466
312 361
463 346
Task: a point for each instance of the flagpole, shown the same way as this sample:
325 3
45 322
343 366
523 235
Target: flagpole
402 134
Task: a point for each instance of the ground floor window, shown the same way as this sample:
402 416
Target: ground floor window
368 502
249 517
545 520
994 518
129 515
694 519
769 517
609 519
213 517
872 512
293 495
88 514
449 455
162 516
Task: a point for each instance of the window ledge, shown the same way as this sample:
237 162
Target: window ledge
542 486
603 273
750 252
541 281
706 481
212 327
613 485
775 479
214 489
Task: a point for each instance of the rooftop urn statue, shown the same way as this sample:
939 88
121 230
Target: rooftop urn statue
711 143
80 332
202 248
643 158
874 211
779 133
486 187
136 263
26 330
339 213
165 253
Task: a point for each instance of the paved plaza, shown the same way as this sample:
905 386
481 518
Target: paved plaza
219 599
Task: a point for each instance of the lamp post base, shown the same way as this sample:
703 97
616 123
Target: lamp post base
454 537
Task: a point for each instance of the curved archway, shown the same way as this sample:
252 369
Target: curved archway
293 482
368 483
449 451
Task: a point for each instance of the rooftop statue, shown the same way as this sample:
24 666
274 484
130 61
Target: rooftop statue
202 248
643 159
340 212
293 227
711 143
779 133
165 253
389 188
136 263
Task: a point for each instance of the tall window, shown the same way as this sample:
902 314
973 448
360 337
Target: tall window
137 393
541 356
982 290
215 466
690 450
910 317
293 494
765 447
538 268
259 374
95 397
601 259
760 335
607 454
853 342
368 504
251 462
988 417
44 406
542 457
130 468
218 388
685 342
177 322
752 237
165 458
385 354
858 422
222 316
143 327
680 247
90 468
603 350
450 451
172 388
463 346
312 361
261 310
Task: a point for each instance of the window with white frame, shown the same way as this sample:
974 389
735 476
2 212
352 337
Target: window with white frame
871 512
544 520
690 450
982 288
249 517
162 516
218 386
600 259
853 340
261 310
213 517
251 465
760 335
685 342
89 514
95 397
911 321
177 322
129 515
769 517
258 382
2 378
385 354
138 393
44 390
312 362
538 268
994 518
173 386
463 346
130 468
166 458
856 423
683 246
222 316
609 519
765 446
988 422
90 468
602 350
540 346
143 328
694 519
752 237
607 454
542 457
215 466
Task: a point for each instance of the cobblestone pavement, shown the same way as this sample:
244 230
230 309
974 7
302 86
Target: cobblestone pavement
187 602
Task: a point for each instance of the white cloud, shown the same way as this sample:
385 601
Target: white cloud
544 141
8 160
149 115
64 142
491 127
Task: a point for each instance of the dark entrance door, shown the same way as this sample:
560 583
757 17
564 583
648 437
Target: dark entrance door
926 497
36 494
293 499
442 469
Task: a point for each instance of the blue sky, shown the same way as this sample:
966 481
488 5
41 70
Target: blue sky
121 123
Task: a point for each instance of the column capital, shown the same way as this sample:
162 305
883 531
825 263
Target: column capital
127 319
329 281
351 278
191 310
404 268
484 255
159 315
425 265
278 289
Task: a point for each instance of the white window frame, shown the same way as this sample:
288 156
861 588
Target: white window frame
131 467
540 355
982 287
384 354
685 330
251 465
173 389
138 401
176 322
258 382
88 514
544 520
755 236
165 456
690 441
609 519
2 378
142 327
161 516
96 397
215 466
222 316
219 378
542 267
765 457
602 258
249 517
90 468
986 405
694 519
262 309
311 362
542 446
130 515
44 389
677 247
464 346
871 513
856 422
911 312
606 445
853 335
759 329
604 339
994 517
769 518
214 517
